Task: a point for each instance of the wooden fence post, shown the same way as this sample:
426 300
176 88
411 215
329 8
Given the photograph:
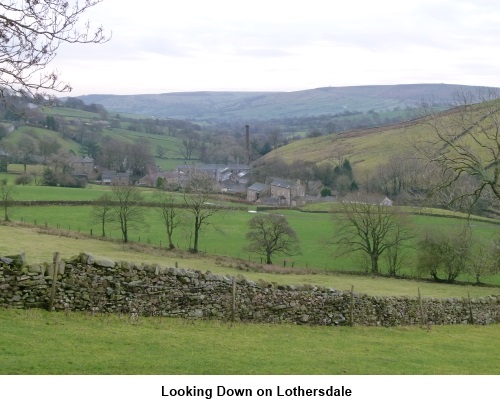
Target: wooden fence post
54 280
351 309
423 318
233 301
470 310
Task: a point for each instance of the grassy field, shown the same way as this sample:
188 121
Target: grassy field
227 235
38 342
70 113
38 133
40 247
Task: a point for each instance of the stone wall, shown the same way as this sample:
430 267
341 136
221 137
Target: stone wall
85 283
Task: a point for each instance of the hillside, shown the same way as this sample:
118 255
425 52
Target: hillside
366 149
270 105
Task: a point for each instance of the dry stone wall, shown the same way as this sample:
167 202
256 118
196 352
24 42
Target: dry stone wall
85 283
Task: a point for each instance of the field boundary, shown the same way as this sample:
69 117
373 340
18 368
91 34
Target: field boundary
99 285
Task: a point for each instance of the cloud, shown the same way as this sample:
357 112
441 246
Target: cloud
279 45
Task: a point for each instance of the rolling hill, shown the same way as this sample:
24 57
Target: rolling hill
366 149
231 106
468 137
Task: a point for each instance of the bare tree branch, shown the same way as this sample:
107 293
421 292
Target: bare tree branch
31 33
465 143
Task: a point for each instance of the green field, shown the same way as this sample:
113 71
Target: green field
227 235
36 133
38 342
40 246
315 226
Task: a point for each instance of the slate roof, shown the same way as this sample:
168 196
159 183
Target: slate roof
258 187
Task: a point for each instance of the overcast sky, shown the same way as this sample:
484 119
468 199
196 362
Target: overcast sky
272 45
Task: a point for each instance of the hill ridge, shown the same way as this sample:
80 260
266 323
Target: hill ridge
241 105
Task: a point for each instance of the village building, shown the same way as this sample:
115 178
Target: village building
228 176
367 198
114 178
257 191
154 179
288 193
219 172
82 166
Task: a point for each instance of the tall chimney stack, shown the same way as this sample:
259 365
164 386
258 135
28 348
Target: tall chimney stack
247 139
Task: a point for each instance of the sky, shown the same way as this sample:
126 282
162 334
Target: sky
273 45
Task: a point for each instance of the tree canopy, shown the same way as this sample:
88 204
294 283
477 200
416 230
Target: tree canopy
270 234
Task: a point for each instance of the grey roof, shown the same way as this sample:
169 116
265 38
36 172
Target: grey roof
109 174
281 183
214 166
258 187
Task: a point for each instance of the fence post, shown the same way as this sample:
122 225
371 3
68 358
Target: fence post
470 309
54 280
351 309
233 301
423 318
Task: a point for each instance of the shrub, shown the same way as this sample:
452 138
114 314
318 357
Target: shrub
24 179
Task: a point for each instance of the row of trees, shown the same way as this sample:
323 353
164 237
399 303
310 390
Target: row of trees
385 234
380 234
125 207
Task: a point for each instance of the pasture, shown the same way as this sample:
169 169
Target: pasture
225 235
40 245
39 342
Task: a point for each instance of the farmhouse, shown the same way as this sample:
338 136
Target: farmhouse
290 194
256 191
154 179
219 172
82 166
113 178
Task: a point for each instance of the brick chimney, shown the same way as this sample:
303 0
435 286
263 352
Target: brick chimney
247 144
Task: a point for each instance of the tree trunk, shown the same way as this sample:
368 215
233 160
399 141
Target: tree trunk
171 245
374 264
124 231
196 230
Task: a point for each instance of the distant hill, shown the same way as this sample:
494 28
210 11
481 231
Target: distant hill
232 106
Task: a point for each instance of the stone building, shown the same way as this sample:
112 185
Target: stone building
289 193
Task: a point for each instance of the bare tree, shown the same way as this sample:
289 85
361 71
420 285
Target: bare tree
139 156
465 142
444 256
189 144
170 214
6 197
270 234
275 135
26 148
484 260
127 208
102 212
198 197
31 33
371 228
